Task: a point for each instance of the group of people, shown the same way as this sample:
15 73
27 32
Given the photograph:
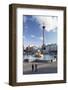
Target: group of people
34 68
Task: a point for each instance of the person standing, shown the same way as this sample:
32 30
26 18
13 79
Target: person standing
32 67
36 68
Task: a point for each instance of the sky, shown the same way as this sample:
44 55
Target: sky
32 30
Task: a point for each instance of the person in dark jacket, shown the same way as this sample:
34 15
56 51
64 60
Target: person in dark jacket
32 67
36 68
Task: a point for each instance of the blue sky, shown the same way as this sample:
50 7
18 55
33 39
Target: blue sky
32 29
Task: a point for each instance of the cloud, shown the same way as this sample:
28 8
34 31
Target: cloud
50 22
33 36
41 38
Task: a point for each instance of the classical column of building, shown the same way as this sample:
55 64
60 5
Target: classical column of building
43 45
